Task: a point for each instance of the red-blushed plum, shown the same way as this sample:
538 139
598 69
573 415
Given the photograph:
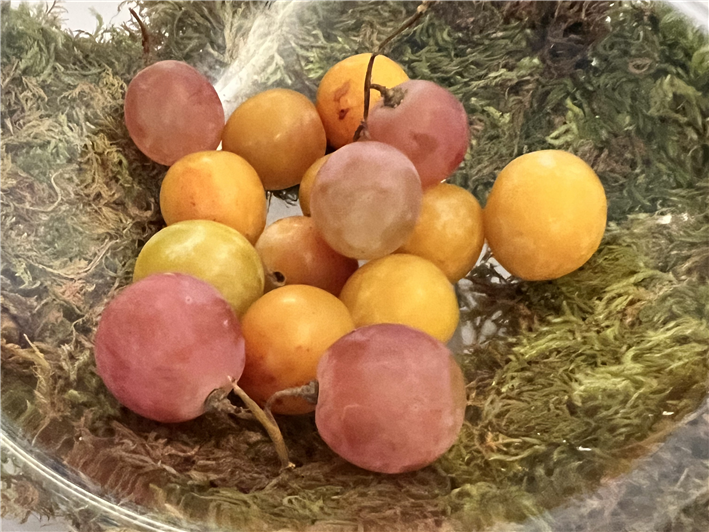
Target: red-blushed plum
366 200
392 398
429 125
165 343
171 110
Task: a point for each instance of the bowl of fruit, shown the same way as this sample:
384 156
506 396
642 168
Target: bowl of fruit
356 266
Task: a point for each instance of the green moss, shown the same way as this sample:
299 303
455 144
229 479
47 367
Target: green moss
572 383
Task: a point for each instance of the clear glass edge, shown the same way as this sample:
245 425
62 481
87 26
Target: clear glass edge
72 490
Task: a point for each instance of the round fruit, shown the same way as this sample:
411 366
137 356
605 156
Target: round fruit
366 200
286 333
427 123
449 231
218 186
546 215
391 398
172 110
306 184
209 251
293 252
403 289
280 133
340 97
165 343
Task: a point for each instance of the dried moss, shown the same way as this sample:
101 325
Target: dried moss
587 381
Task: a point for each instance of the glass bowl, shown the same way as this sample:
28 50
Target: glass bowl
617 440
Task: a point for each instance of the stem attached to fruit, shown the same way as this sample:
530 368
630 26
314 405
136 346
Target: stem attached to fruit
145 35
309 392
381 88
266 419
420 12
391 97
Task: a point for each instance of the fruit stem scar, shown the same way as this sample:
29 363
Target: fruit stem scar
274 279
391 97
420 12
268 422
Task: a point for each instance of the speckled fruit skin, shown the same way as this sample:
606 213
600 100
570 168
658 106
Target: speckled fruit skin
279 133
165 343
429 125
306 184
403 289
366 200
171 110
449 231
218 186
392 399
286 333
293 251
213 252
545 215
340 96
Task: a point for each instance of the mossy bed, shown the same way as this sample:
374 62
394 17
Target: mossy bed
587 395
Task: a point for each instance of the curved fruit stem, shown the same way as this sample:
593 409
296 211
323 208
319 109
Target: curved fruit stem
381 88
266 419
391 97
309 392
145 35
420 12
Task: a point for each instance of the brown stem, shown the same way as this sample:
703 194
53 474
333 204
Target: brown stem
390 97
217 401
377 87
420 12
367 89
145 36
309 392
268 423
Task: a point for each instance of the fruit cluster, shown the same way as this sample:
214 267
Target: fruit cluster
219 298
